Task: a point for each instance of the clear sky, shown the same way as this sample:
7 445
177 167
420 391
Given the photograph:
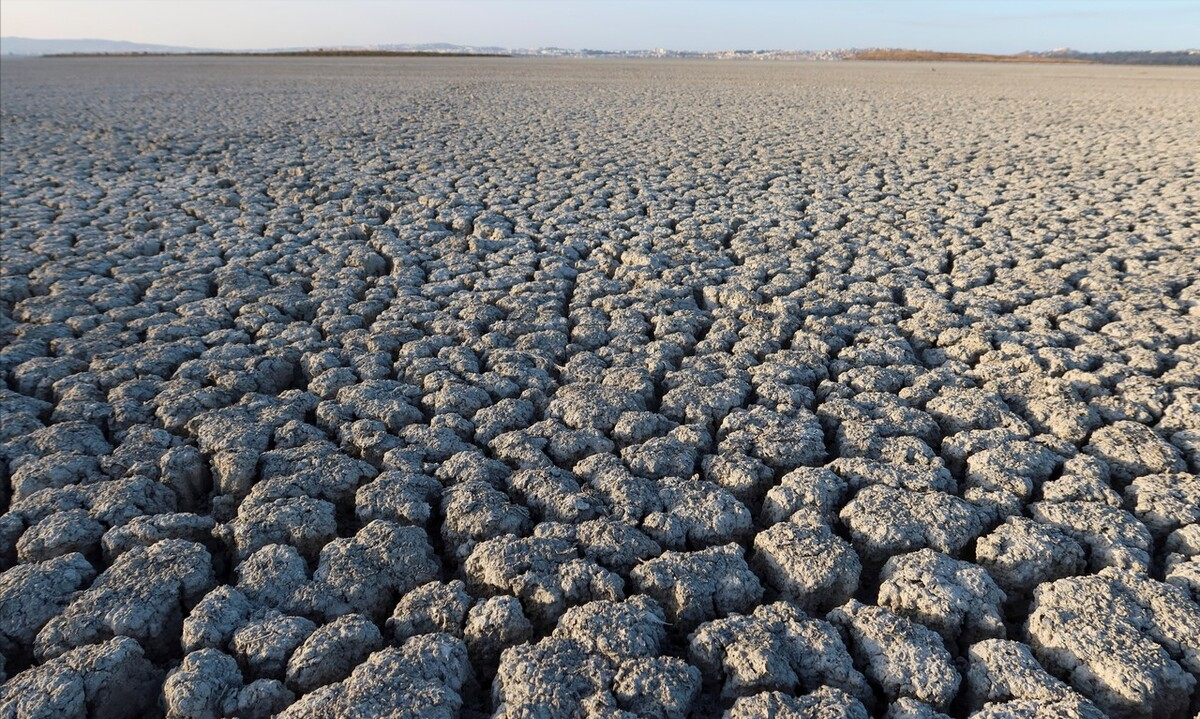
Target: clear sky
1000 26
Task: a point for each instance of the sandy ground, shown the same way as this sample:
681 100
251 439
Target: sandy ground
439 388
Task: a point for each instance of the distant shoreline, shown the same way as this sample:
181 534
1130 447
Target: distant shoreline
1129 58
1167 59
931 56
291 53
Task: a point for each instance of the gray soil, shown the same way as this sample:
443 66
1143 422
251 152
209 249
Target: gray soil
517 388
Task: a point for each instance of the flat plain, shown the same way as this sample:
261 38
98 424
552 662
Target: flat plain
369 387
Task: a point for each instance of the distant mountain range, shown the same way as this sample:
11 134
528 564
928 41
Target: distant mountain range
31 46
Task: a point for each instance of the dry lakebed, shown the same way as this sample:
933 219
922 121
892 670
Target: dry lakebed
401 387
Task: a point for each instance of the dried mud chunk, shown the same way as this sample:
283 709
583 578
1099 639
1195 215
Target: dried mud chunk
385 401
59 469
805 487
303 522
316 469
602 656
276 577
60 533
140 452
507 415
215 618
545 574
400 497
263 647
71 437
142 595
263 699
565 447
957 449
807 563
1080 488
779 441
700 404
1115 538
635 427
1021 554
961 410
111 503
614 544
1003 671
437 443
204 686
521 449
32 594
1133 450
146 531
858 473
1065 417
824 703
1125 642
475 512
423 677
330 653
1182 562
656 687
695 587
695 513
429 609
493 625
365 439
1185 575
553 678
473 466
327 384
1165 502
618 630
1075 708
630 498
583 405
382 560
661 457
884 521
956 599
872 421
905 658
110 680
1018 468
909 708
554 494
745 477
1188 443
778 647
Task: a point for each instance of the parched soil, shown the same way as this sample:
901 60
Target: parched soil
359 387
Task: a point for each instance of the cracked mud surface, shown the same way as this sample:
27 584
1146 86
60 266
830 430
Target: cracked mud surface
364 388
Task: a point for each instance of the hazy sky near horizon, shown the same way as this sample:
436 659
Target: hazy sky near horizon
999 26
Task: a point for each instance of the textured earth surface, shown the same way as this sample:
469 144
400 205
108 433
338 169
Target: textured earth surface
412 388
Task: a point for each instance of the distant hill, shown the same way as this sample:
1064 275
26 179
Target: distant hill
33 46
278 53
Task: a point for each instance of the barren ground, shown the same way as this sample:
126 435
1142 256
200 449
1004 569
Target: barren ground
437 388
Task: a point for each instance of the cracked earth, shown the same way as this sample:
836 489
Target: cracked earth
362 388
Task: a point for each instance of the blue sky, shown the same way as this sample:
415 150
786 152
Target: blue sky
999 26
